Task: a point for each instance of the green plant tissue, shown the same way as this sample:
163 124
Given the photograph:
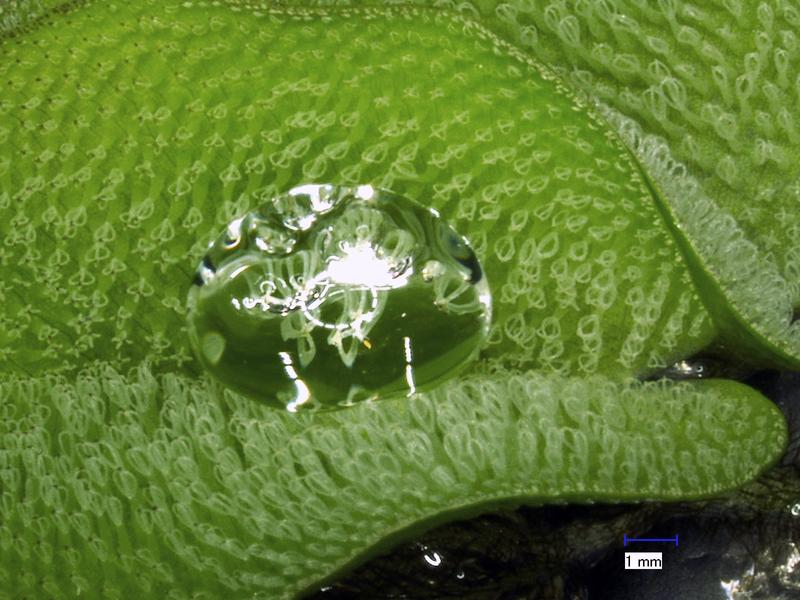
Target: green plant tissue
625 171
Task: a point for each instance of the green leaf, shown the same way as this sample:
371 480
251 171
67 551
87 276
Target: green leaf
130 134
706 97
167 486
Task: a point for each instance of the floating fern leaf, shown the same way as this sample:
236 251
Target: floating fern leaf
164 486
131 133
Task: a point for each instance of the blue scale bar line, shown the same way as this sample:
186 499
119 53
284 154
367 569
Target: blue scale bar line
626 540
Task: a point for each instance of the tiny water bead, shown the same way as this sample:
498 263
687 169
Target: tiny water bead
327 295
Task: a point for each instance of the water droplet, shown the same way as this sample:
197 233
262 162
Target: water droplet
703 366
327 295
685 369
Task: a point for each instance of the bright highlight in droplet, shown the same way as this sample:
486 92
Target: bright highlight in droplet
360 265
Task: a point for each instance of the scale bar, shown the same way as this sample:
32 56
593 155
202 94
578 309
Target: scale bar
626 540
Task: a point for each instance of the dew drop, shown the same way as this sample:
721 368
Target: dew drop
327 295
703 366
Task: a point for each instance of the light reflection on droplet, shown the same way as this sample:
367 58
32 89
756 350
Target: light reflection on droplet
302 394
366 192
412 387
360 265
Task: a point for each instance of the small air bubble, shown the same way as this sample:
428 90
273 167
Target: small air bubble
213 347
432 269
